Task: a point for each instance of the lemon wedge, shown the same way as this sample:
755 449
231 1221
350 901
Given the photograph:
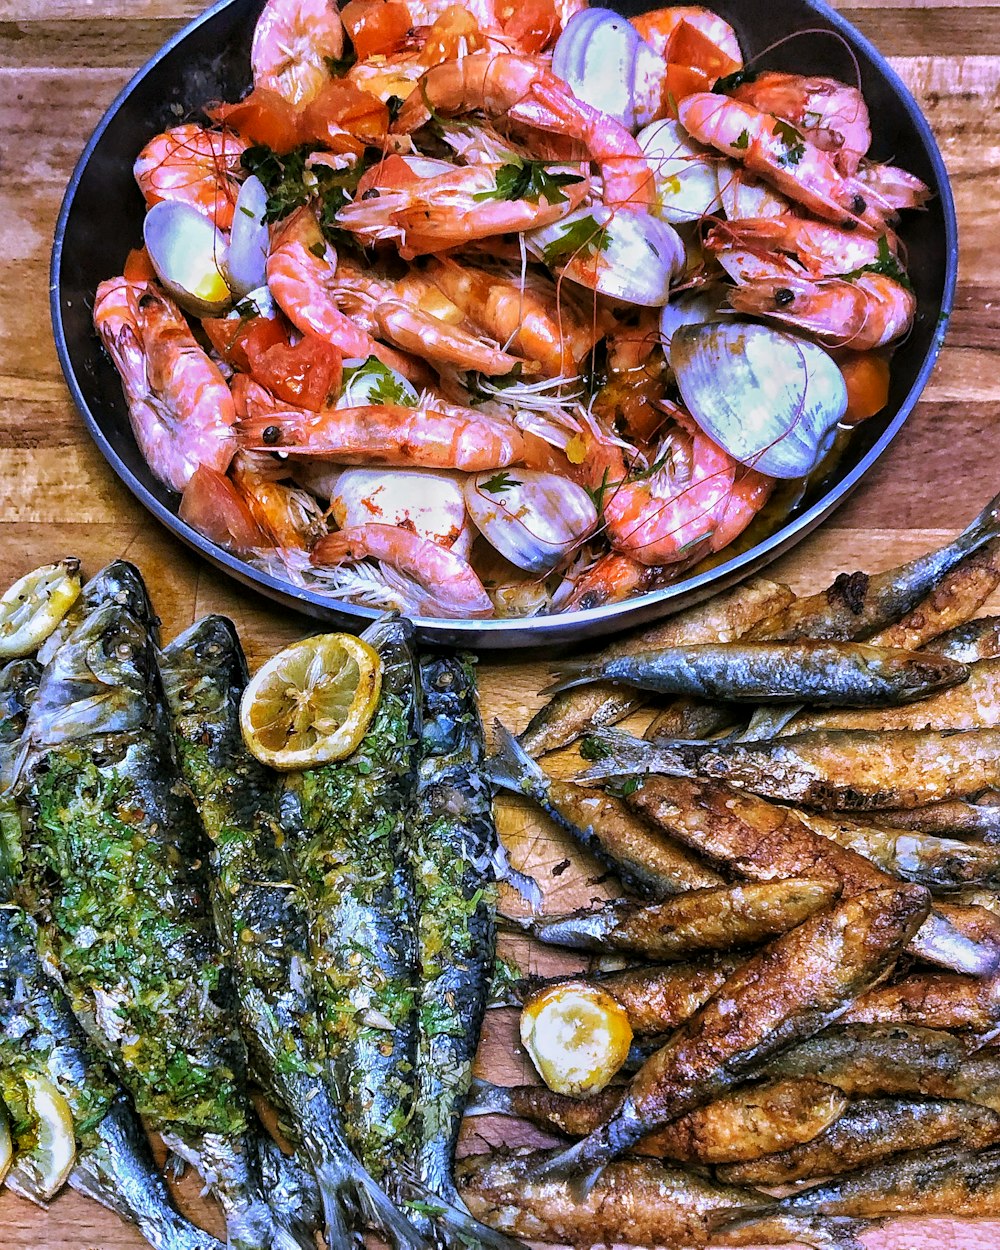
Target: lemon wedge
6 1149
42 1169
311 703
577 1036
34 606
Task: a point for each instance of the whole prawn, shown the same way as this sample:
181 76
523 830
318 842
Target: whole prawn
197 166
179 406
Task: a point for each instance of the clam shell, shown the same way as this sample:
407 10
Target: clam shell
188 254
607 64
532 518
427 501
687 184
246 261
771 400
698 307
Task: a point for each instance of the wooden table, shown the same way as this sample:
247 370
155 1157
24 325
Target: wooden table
62 61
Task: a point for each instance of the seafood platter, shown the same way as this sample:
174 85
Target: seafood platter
425 312
430 327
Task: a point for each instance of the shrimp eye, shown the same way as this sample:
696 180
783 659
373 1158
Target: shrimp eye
858 205
271 435
146 300
371 194
783 296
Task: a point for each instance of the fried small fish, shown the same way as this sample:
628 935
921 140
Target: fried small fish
941 864
826 674
745 1124
40 1036
870 1129
687 924
973 704
694 719
795 987
640 1202
853 769
649 864
933 1000
721 618
857 605
953 816
655 997
764 842
971 641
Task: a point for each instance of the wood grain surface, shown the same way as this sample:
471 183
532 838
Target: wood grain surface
61 63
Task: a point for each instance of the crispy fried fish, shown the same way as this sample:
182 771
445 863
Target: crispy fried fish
649 864
971 641
262 920
687 924
745 1124
954 816
792 989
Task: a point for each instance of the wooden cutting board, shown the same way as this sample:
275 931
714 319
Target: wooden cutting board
62 62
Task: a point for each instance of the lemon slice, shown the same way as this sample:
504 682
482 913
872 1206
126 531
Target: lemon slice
312 702
34 606
42 1170
6 1149
577 1037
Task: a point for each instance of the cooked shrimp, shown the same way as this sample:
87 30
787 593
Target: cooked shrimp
291 42
412 313
831 114
863 312
213 506
610 579
696 501
450 586
771 246
523 90
179 405
776 151
466 203
546 327
445 436
288 515
198 166
893 188
658 25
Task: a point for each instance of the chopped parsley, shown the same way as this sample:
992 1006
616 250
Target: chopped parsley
528 180
581 240
795 147
742 141
622 789
377 384
500 482
886 264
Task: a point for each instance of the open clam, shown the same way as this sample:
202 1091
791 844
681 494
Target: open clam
684 173
534 519
188 254
246 260
696 307
771 400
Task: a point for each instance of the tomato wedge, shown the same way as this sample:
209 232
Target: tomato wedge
688 46
263 117
306 375
531 24
237 341
375 26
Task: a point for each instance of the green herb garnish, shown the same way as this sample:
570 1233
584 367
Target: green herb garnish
581 240
528 180
795 147
886 264
500 482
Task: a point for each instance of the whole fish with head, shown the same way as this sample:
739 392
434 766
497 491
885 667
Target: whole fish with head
744 1124
858 605
40 1037
870 1129
726 616
795 987
759 840
117 877
827 674
454 850
641 1202
941 864
344 826
951 1180
851 769
649 865
713 919
655 997
262 920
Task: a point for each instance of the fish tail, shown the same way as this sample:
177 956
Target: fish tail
458 1230
510 767
619 754
378 1209
572 673
485 1098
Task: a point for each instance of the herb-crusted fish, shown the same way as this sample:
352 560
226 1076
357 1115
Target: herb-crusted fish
116 873
40 1036
262 921
18 684
345 838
